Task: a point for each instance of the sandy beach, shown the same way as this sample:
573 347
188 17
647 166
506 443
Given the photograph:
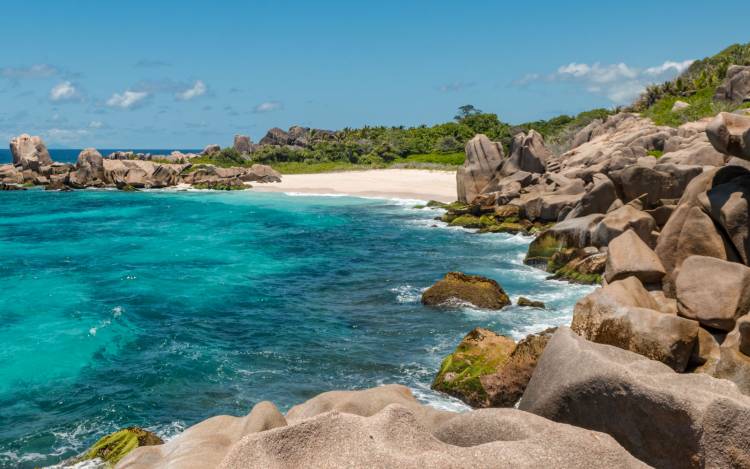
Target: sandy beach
397 183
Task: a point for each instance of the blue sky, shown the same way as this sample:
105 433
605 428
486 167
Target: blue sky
182 74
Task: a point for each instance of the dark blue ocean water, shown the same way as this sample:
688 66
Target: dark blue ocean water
70 156
163 308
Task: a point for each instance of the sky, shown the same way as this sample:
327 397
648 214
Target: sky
184 74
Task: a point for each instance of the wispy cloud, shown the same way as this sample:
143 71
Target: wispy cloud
65 91
619 82
268 106
127 99
33 71
198 89
66 136
456 86
148 63
96 125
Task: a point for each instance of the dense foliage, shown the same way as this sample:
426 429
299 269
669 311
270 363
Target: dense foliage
440 146
695 86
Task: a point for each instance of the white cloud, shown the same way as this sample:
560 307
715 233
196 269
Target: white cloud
127 99
619 82
64 91
96 124
669 66
198 89
597 73
268 106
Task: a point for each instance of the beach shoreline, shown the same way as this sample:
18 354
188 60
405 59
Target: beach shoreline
416 184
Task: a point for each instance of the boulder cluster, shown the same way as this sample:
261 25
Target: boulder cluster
124 170
659 356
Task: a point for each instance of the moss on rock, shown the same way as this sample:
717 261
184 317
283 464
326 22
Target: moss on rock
456 286
480 353
113 447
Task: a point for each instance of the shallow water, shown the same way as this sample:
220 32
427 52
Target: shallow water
161 309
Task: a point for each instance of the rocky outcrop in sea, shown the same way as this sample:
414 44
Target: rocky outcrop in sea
124 170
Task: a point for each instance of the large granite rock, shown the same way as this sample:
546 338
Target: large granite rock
736 85
141 174
692 228
730 134
728 205
636 181
713 292
629 255
665 419
242 144
621 220
276 136
734 358
381 427
9 174
89 170
482 352
505 387
457 287
210 149
29 152
597 199
623 314
483 158
527 153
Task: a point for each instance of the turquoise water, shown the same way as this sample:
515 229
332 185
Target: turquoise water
161 309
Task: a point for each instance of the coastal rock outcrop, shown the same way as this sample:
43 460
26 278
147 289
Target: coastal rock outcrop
30 153
736 85
242 144
730 134
383 427
458 287
712 291
665 419
89 170
527 153
483 158
628 255
624 315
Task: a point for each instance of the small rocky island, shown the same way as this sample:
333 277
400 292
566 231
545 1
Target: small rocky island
32 165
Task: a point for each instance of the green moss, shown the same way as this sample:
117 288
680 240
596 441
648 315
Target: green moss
220 186
460 372
128 188
505 227
112 448
467 221
656 153
577 277
544 247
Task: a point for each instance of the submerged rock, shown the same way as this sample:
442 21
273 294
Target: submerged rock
481 352
523 301
480 291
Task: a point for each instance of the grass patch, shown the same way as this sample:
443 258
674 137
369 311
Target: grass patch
701 105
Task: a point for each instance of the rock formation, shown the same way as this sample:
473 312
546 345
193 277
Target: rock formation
125 170
483 158
665 419
381 427
736 85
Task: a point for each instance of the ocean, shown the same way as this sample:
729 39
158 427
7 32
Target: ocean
163 308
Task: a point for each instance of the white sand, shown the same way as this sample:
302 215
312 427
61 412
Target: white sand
397 183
